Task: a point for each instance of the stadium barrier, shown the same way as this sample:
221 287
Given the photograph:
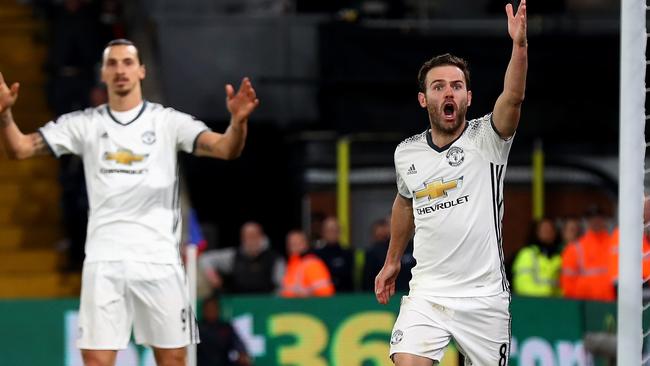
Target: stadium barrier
346 330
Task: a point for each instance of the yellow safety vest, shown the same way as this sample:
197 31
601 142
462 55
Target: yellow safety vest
535 274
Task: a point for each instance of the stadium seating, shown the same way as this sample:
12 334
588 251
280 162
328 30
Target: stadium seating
29 190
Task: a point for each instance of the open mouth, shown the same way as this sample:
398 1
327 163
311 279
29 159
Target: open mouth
449 110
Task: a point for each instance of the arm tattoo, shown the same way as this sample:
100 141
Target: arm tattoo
6 119
39 144
205 147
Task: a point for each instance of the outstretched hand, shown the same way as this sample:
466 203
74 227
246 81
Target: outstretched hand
243 103
517 23
8 95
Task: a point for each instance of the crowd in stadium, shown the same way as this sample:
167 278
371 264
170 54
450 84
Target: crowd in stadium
579 263
321 268
573 257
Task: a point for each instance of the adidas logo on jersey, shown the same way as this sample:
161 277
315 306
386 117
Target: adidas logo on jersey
411 170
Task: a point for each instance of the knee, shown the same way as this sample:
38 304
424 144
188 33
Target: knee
171 358
176 360
95 358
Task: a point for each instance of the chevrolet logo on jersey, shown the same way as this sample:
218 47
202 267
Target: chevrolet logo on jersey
124 156
438 188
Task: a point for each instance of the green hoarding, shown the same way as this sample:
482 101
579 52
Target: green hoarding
347 330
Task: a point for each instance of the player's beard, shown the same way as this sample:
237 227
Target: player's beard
123 92
436 118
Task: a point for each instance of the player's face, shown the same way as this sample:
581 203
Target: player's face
121 70
446 98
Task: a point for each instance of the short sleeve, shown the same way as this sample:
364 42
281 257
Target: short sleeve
402 188
484 133
65 134
187 130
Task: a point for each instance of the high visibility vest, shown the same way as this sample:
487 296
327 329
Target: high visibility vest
613 262
585 268
306 276
535 273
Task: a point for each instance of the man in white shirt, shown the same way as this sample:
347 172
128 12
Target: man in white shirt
132 276
450 193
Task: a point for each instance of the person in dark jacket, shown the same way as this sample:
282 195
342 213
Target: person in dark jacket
220 345
339 260
253 267
375 257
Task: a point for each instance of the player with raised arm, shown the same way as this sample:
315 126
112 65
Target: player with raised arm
450 194
132 276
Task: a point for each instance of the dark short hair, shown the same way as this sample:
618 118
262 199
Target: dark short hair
124 42
442 60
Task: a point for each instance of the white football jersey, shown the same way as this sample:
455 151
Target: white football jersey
132 178
457 196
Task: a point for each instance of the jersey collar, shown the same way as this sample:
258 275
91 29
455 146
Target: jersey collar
108 110
443 148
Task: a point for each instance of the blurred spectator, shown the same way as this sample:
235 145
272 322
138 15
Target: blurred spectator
252 268
537 266
645 248
585 262
339 260
220 345
571 230
376 255
306 274
613 259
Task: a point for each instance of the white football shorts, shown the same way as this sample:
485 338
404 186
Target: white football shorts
480 327
150 298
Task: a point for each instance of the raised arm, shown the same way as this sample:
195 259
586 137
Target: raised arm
508 106
401 231
230 144
16 144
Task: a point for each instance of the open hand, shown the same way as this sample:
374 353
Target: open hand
8 95
385 282
517 23
243 103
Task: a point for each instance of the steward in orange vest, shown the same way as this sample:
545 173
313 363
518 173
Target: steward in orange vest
585 262
306 274
613 261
